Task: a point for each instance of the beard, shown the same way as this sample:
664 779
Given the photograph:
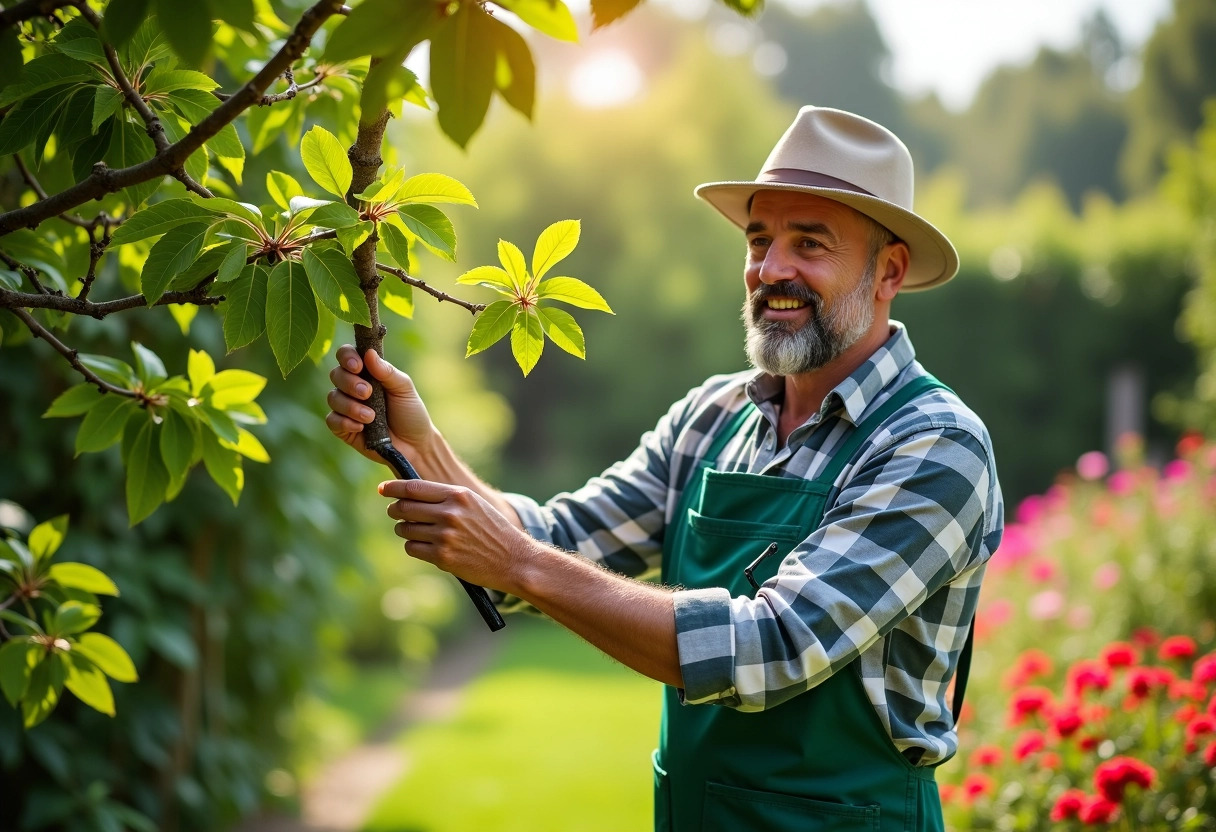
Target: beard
784 348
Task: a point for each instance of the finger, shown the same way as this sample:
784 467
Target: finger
344 405
342 426
423 491
422 550
348 357
350 383
394 380
411 530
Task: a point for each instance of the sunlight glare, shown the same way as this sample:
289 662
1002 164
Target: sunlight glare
605 79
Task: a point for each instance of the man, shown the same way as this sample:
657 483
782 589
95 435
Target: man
821 525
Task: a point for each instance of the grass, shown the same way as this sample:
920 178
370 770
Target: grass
554 736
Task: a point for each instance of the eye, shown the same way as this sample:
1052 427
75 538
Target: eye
758 242
808 243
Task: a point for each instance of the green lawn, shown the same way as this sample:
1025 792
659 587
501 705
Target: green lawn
554 736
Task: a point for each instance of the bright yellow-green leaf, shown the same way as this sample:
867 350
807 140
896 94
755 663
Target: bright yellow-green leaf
229 387
73 617
551 17
432 227
45 538
553 245
604 12
491 326
527 340
248 446
82 576
489 276
434 187
326 161
573 291
224 466
183 314
397 297
108 655
282 188
89 684
200 368
512 260
46 683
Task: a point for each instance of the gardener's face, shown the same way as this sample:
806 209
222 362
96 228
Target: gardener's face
810 281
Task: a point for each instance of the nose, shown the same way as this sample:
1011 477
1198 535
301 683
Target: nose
777 265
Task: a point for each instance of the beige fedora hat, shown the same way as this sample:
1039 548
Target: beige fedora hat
852 160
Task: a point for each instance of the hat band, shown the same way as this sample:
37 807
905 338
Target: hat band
797 176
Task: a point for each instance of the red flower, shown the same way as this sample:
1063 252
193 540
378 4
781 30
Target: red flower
1189 443
1087 674
947 791
1089 743
1028 743
1030 665
1146 636
1068 805
1119 654
1097 809
975 785
1204 670
1197 727
987 755
1186 713
1049 760
1187 689
1209 755
1112 777
1177 647
1027 702
1142 681
1067 721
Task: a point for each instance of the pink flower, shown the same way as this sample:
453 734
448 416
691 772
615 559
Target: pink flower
1028 702
1068 805
1049 760
976 785
1017 544
1107 575
1097 809
1030 510
1204 670
1112 777
1145 637
1028 743
1119 654
1042 570
1121 483
1176 470
987 756
1067 721
1177 647
1046 605
1093 465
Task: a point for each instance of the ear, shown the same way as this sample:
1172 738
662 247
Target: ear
892 268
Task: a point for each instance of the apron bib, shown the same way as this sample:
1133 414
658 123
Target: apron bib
818 762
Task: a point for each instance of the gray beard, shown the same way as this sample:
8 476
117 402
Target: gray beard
783 349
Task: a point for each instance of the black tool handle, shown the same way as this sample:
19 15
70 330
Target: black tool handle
479 596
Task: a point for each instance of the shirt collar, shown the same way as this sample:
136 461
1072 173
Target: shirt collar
857 392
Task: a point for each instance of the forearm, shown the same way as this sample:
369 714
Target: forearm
632 622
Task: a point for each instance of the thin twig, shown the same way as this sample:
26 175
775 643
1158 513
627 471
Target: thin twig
474 308
97 248
29 9
76 306
28 271
73 357
40 192
104 180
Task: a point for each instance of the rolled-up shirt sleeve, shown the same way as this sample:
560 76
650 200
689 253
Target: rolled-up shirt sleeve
910 520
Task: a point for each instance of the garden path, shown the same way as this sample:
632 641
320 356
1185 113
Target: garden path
342 796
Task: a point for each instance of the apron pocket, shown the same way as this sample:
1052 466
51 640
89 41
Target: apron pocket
718 550
662 795
743 529
730 809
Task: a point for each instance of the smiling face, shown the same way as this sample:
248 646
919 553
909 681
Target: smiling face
811 280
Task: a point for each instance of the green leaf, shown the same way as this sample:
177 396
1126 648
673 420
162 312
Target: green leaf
172 253
351 238
229 387
24 122
464 62
327 326
200 368
398 297
551 17
512 260
147 477
18 618
282 188
79 40
515 71
104 423
238 13
434 187
159 218
10 279
224 466
491 326
432 227
248 446
122 18
89 684
562 330
44 72
109 369
17 660
572 291
129 146
397 243
245 307
234 262
74 401
175 130
187 27
82 576
242 210
527 340
336 284
108 655
92 150
46 683
107 102
196 105
334 215
178 443
161 81
291 314
326 161
220 423
10 56
383 189
148 365
45 538
73 617
489 276
379 27
553 246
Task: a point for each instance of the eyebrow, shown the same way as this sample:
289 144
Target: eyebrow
805 227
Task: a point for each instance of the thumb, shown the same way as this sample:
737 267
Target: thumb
392 379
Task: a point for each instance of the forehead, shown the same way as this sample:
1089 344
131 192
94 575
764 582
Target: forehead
776 209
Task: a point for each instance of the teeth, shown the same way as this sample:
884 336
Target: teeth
785 303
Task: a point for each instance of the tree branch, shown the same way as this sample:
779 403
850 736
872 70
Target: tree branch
78 306
29 9
104 180
40 192
28 271
72 356
474 308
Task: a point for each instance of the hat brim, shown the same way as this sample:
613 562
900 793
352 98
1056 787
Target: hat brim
933 258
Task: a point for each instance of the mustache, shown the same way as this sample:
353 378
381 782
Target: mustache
783 289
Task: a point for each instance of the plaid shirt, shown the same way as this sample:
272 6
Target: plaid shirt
889 580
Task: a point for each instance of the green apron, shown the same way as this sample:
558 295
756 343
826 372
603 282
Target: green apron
819 761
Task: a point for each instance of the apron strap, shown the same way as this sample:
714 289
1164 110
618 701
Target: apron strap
733 426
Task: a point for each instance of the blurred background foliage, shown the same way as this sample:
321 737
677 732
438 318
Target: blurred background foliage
1078 190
